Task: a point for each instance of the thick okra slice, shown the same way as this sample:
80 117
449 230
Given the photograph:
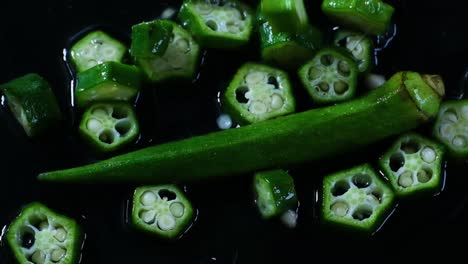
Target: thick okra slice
95 48
275 193
359 45
285 15
413 165
356 199
331 76
164 50
40 236
33 103
369 16
162 210
451 127
258 93
109 126
110 81
220 24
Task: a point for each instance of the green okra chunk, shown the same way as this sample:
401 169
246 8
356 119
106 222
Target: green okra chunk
109 81
40 236
275 193
368 16
109 126
413 165
95 48
356 199
285 15
220 24
33 103
164 51
359 45
331 76
161 210
258 93
451 127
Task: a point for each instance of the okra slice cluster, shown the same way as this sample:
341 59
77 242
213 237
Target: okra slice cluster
164 50
356 199
107 81
369 16
413 165
258 93
359 45
451 127
275 193
109 126
95 48
221 24
331 76
162 210
40 236
32 103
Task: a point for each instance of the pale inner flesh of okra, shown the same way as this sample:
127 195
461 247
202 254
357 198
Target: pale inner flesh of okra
109 124
98 50
225 18
330 76
176 57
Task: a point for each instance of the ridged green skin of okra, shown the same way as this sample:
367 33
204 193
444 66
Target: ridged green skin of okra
275 193
451 127
356 199
330 77
413 164
257 93
368 16
359 45
285 15
41 236
109 126
161 210
109 81
33 103
224 24
403 103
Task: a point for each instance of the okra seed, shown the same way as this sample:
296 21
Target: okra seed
177 209
38 257
459 141
166 222
373 199
100 112
148 198
58 254
410 147
148 216
340 188
94 125
362 212
254 78
424 175
428 155
340 209
314 73
182 45
340 87
343 68
212 25
108 52
257 108
354 46
44 225
362 180
447 130
406 179
326 60
451 115
233 28
323 86
277 101
60 234
204 9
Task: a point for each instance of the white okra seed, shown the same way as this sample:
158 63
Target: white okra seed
340 209
277 101
166 222
58 254
428 155
182 45
451 116
406 179
254 78
108 52
100 112
148 216
43 225
38 257
459 141
148 198
94 125
60 234
258 108
177 209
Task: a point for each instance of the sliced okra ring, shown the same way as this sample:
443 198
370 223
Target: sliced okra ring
285 15
223 24
164 50
95 48
40 236
275 193
33 103
109 126
359 45
331 76
369 16
161 210
109 81
413 165
257 93
356 199
451 127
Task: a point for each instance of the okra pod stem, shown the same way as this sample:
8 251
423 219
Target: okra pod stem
401 104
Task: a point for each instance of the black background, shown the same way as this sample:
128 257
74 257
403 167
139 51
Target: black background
430 37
